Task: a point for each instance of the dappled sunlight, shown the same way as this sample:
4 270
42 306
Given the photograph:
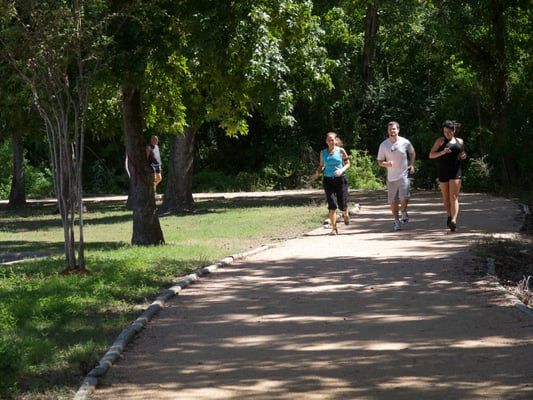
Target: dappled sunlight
386 346
370 315
484 342
392 318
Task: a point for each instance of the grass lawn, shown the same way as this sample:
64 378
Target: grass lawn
54 329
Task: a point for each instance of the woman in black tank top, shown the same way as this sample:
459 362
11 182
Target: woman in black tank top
449 152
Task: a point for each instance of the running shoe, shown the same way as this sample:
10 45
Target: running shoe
452 226
405 217
396 226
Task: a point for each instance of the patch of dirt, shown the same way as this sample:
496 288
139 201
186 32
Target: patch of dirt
513 259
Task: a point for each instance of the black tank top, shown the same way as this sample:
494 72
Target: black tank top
449 164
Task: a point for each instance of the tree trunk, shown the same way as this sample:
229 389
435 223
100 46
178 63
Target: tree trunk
146 227
369 50
17 195
178 194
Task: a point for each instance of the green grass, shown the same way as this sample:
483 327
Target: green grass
54 328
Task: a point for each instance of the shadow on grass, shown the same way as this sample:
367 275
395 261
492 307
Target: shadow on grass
64 324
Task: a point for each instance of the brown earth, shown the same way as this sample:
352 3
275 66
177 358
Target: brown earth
368 314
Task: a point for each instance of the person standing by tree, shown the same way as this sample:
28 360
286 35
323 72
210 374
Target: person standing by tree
393 154
334 162
449 150
154 160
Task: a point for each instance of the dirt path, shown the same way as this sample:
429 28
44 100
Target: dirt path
369 314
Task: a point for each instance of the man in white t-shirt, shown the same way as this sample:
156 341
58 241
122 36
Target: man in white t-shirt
397 154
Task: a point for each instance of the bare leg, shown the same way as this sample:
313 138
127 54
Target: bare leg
403 204
454 187
445 190
394 208
333 221
332 217
157 179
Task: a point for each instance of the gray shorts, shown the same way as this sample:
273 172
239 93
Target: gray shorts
399 189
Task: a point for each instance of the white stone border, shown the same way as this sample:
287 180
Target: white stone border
91 380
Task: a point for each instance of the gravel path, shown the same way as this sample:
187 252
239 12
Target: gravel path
368 314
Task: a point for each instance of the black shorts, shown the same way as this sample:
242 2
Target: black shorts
336 189
156 168
450 173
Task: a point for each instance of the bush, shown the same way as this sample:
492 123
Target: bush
39 182
364 172
478 174
213 181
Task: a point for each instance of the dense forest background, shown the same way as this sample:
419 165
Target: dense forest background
260 82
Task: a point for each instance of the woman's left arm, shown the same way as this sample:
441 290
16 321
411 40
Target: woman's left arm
345 159
462 154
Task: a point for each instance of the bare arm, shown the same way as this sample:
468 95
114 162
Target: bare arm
346 163
319 169
434 152
412 159
462 154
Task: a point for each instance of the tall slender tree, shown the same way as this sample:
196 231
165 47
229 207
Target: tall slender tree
55 47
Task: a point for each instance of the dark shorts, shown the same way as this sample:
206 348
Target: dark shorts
450 174
156 168
336 192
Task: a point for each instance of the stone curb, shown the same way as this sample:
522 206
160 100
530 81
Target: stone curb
91 380
494 282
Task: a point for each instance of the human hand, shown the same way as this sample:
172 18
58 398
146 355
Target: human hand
337 172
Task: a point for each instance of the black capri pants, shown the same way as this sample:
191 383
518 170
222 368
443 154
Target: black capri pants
336 189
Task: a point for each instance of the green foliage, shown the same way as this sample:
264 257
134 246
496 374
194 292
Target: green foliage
5 178
479 175
364 173
213 181
39 180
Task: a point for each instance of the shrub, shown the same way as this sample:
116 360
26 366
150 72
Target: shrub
478 174
364 172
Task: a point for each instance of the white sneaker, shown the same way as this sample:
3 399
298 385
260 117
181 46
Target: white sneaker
405 217
396 226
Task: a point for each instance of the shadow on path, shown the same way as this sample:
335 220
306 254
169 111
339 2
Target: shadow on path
368 314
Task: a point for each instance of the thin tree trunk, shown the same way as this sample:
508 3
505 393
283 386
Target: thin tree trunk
146 226
178 194
370 45
17 195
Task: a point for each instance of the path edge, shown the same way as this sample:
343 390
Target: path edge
90 382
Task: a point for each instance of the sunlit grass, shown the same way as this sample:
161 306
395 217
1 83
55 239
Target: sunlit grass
53 329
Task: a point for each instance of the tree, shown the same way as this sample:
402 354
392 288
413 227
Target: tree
14 105
248 56
143 41
55 48
146 227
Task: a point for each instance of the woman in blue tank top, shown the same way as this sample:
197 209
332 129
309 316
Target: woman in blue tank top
333 163
449 152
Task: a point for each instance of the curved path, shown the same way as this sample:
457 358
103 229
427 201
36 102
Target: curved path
368 314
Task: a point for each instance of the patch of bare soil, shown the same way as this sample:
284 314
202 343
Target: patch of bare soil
513 259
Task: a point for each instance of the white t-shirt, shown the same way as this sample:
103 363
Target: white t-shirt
397 153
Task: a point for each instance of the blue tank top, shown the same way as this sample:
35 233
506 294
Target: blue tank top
332 162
